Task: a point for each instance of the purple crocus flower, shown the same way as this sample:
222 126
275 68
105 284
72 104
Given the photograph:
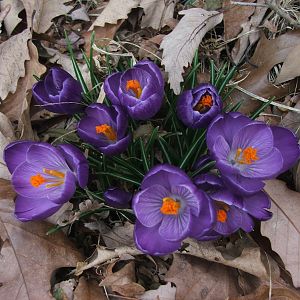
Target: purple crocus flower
117 198
44 177
59 92
247 151
197 107
139 90
232 211
105 128
169 207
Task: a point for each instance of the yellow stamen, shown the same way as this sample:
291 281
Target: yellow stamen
246 156
37 180
170 206
107 130
205 102
135 86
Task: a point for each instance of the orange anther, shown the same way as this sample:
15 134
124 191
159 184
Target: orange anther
135 86
107 130
246 156
221 215
170 206
205 102
37 180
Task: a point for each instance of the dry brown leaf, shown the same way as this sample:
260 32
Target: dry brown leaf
123 281
12 20
196 279
7 189
251 260
16 106
114 11
13 54
157 12
234 17
45 11
80 14
292 120
164 292
29 257
268 53
88 290
291 66
180 45
283 230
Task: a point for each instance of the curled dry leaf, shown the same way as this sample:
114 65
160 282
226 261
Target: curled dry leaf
114 11
80 14
27 276
13 54
17 105
283 230
12 20
88 290
180 45
164 292
196 279
251 260
157 12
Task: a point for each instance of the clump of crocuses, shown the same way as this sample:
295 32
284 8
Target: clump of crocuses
44 177
139 90
59 92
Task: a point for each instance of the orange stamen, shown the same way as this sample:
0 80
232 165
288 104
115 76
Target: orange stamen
221 215
37 180
170 206
135 86
107 130
54 184
246 156
205 101
54 173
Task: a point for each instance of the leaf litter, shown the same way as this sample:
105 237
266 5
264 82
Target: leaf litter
241 266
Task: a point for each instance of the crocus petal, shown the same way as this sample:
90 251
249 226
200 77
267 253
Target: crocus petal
15 153
111 86
29 209
116 148
149 241
117 197
147 204
208 182
152 69
40 94
221 149
175 227
76 162
287 143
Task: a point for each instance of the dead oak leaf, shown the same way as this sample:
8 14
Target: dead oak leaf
13 54
283 230
114 11
29 257
180 45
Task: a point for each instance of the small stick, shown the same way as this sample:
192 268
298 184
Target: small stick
247 4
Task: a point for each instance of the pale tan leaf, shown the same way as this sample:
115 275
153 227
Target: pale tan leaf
16 106
251 260
13 54
180 45
157 12
283 230
88 290
29 257
164 292
291 66
46 10
114 11
80 14
12 20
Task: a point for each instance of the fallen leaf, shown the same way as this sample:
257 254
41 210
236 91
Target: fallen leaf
268 53
283 230
12 20
250 260
7 189
180 45
88 290
80 14
123 281
29 257
13 54
114 11
150 48
16 106
6 136
292 120
164 292
291 66
45 11
199 279
234 17
157 12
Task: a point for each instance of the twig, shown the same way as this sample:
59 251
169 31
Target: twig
272 5
247 4
266 100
